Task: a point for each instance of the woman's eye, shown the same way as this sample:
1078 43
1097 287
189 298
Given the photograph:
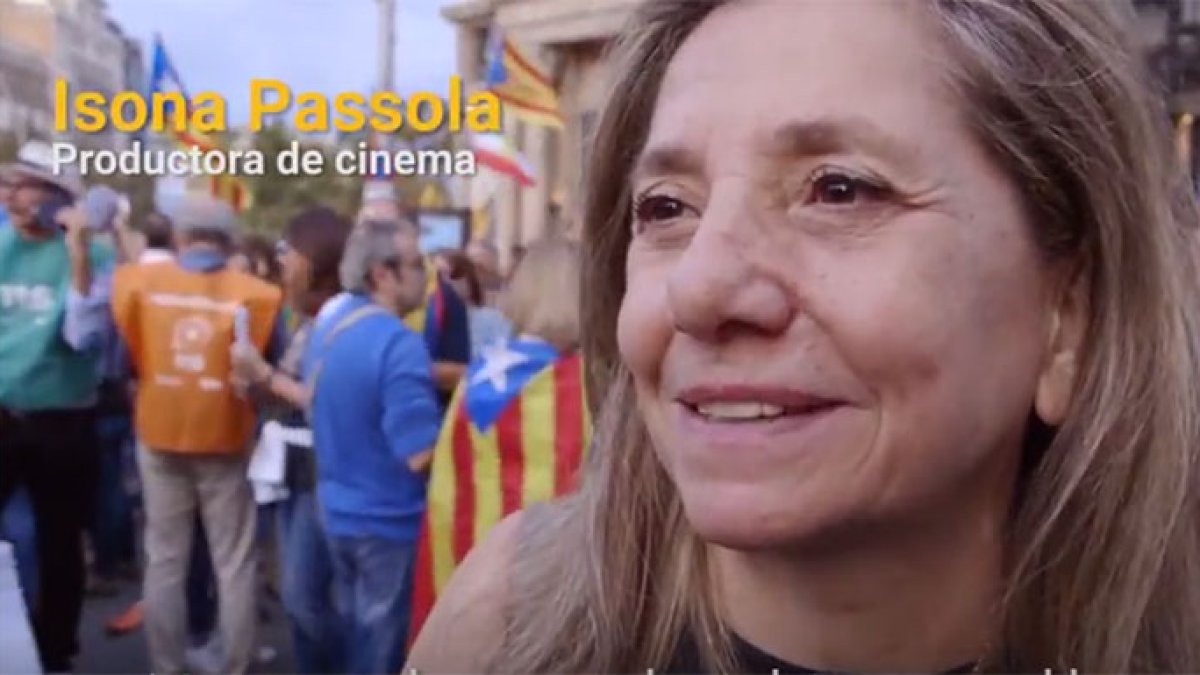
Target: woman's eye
655 208
837 189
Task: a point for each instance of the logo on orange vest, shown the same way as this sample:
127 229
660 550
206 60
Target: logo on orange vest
189 340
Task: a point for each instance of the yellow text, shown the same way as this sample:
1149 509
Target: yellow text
384 112
130 112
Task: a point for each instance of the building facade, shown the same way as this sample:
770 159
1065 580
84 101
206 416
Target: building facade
567 38
43 40
1169 31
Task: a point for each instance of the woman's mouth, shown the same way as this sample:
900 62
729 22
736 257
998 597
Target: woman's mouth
741 403
751 411
733 418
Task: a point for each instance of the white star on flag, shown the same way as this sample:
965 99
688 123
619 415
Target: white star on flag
497 359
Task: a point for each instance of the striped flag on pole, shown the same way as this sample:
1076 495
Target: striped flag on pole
164 78
515 435
495 152
527 91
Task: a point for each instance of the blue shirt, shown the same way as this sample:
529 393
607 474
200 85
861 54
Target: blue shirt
374 407
87 318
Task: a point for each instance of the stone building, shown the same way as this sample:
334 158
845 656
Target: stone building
42 40
25 107
1169 31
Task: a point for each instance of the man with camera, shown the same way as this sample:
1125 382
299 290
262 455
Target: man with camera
53 313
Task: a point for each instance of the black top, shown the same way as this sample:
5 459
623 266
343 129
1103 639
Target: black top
749 659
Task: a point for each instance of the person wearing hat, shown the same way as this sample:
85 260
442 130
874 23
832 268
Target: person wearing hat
53 312
194 427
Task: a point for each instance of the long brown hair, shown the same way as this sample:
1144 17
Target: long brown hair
1104 573
459 266
319 234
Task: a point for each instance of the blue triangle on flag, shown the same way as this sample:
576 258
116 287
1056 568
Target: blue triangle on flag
498 376
495 74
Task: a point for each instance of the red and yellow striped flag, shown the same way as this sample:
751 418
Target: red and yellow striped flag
165 79
527 91
227 188
515 435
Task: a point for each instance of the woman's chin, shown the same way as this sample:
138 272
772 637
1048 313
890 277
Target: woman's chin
748 518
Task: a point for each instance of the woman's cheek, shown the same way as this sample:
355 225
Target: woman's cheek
644 326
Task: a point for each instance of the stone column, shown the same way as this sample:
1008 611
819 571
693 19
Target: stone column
469 41
507 205
470 47
535 201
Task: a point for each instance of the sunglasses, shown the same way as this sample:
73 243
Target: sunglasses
399 265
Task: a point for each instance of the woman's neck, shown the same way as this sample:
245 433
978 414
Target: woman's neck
919 601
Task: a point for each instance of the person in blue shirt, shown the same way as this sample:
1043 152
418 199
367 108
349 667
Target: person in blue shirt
375 420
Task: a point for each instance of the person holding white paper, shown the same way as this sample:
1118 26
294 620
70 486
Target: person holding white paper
309 255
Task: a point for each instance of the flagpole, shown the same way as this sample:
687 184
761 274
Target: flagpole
387 44
380 188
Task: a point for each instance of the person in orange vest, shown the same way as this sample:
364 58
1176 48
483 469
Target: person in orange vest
194 425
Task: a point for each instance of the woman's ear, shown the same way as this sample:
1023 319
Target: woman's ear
1060 371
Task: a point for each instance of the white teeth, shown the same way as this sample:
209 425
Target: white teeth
747 410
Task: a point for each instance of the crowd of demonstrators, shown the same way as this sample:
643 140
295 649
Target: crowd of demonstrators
167 354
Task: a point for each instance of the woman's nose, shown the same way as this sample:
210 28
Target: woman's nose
723 285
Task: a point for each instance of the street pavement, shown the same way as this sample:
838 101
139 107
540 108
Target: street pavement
102 653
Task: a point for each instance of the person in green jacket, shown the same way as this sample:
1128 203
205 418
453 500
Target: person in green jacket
53 315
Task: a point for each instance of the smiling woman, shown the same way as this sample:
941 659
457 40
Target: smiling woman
896 358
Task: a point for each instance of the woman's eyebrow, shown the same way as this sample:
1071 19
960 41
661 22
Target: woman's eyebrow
832 135
667 160
789 141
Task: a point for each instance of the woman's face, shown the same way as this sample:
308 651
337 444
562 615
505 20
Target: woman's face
835 316
295 273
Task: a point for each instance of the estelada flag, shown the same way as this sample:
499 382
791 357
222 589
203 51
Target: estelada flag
164 78
515 435
519 84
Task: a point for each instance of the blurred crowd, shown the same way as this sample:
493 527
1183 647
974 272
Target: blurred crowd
227 417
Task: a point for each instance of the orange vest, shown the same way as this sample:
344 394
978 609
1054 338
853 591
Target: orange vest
179 326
